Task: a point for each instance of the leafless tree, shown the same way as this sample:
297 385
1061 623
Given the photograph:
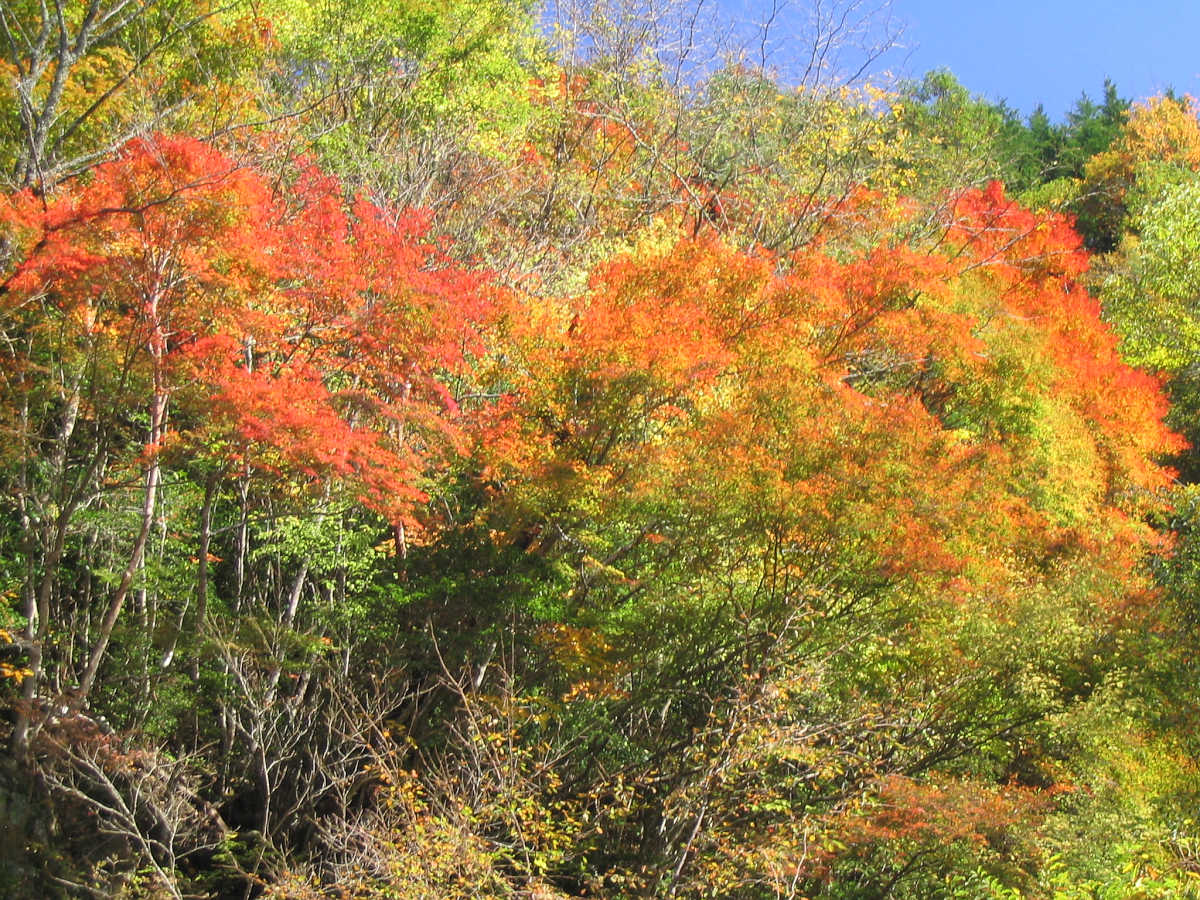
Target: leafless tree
143 804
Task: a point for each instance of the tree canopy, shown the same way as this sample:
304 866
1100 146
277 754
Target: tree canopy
444 458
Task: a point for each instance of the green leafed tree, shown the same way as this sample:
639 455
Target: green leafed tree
77 80
398 96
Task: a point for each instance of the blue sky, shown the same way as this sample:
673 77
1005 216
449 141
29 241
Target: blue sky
1021 51
1025 52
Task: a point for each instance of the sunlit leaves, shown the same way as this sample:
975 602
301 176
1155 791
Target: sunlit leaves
306 336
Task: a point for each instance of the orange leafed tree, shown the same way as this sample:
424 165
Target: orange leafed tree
980 365
932 448
178 305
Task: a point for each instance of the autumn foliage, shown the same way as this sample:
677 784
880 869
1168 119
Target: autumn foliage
304 336
487 475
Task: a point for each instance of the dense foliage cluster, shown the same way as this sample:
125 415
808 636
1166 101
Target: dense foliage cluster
445 460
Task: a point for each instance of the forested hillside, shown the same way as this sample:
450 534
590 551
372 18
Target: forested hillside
470 449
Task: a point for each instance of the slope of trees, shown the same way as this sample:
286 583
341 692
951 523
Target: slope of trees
442 461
